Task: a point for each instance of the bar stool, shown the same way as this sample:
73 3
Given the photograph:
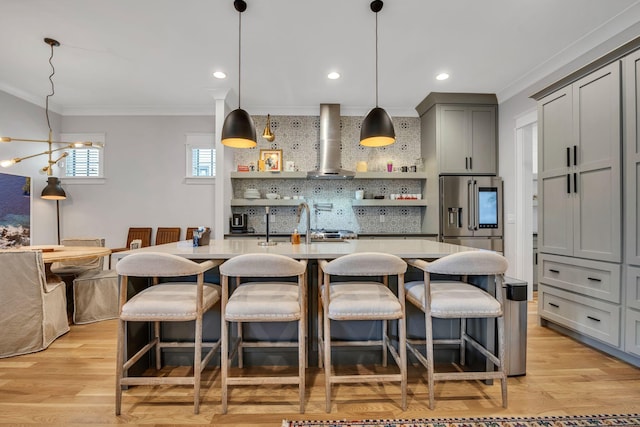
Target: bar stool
164 302
455 299
262 301
363 300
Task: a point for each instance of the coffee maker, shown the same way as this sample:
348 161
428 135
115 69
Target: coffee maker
238 223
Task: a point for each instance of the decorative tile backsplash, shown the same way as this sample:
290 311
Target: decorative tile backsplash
298 138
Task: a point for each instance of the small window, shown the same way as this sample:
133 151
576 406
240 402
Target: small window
201 157
203 162
83 162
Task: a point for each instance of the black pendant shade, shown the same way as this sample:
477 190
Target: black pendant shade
377 129
238 130
53 190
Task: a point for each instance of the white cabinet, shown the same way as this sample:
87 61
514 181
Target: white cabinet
632 156
581 295
466 139
594 279
581 284
631 105
579 171
588 316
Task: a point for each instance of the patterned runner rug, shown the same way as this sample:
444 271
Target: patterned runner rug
631 420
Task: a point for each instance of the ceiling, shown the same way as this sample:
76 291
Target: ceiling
158 56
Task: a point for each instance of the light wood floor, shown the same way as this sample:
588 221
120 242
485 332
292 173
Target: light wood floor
72 382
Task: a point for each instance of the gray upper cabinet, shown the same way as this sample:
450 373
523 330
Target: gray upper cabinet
458 137
579 174
632 118
466 139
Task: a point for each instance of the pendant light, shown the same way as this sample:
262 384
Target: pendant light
267 134
53 190
238 130
377 127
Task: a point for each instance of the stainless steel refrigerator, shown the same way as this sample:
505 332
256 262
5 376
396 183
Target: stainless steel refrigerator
471 211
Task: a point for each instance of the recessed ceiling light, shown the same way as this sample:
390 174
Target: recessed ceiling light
442 76
333 75
219 75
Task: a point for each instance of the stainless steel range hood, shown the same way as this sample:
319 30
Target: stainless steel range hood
330 166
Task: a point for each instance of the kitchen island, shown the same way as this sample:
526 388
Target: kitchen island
228 248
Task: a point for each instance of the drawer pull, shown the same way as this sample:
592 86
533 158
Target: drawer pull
554 271
593 318
554 305
594 279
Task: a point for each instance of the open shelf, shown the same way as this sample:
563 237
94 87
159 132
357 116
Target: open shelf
303 175
265 202
387 202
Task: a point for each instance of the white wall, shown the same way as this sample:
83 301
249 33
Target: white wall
144 167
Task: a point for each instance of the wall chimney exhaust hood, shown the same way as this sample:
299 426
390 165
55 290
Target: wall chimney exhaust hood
330 166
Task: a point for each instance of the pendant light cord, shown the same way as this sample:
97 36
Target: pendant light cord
53 91
239 56
376 59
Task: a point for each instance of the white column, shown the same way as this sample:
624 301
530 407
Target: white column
224 166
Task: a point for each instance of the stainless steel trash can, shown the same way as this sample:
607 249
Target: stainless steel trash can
515 320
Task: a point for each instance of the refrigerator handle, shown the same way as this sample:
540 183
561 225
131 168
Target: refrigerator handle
475 205
472 209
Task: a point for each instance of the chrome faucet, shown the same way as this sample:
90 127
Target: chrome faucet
301 206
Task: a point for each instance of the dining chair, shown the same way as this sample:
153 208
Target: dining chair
164 302
34 311
135 233
167 235
370 299
262 301
74 268
452 297
95 296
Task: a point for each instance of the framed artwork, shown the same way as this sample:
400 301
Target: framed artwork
15 211
272 160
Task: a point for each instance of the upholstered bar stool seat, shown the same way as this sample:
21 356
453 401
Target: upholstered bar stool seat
265 301
95 296
262 301
164 302
361 300
454 300
364 299
172 302
457 299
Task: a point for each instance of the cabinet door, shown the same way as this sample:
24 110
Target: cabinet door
555 195
453 136
632 120
483 140
597 180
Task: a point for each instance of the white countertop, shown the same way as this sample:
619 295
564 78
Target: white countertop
225 249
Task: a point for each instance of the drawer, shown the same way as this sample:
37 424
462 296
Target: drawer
588 316
592 278
633 287
632 328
